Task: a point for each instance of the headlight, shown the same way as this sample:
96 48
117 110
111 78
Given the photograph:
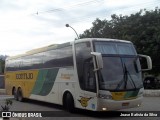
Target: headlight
104 96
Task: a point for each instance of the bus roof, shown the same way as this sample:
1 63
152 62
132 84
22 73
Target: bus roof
56 46
101 39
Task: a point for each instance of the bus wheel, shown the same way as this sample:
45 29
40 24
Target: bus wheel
20 95
69 103
15 93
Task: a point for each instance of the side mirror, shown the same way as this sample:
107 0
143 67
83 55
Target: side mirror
99 60
146 60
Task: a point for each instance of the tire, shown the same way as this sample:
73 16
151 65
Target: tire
15 93
69 103
20 95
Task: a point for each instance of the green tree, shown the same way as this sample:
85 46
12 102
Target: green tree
142 28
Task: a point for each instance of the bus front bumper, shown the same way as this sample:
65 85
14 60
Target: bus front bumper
109 105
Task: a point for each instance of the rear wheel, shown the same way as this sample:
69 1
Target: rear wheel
15 93
69 103
20 95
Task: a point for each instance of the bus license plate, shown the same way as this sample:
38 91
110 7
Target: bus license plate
125 104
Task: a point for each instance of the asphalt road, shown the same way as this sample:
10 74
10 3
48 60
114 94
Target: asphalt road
151 104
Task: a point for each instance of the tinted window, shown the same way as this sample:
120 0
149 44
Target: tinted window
85 67
114 48
53 58
59 57
37 60
26 63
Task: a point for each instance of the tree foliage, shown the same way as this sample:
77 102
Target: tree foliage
142 28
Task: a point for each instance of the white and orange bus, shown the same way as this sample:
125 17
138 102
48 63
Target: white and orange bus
95 74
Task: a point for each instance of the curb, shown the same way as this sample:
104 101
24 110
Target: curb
4 97
151 93
2 92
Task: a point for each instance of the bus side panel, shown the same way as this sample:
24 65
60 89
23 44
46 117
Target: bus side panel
44 84
67 82
57 80
21 79
63 82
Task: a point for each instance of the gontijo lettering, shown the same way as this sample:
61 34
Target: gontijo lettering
24 76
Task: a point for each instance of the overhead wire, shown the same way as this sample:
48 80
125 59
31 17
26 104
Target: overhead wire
135 7
70 6
87 17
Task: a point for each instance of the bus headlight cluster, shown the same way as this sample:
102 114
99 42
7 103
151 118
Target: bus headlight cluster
104 96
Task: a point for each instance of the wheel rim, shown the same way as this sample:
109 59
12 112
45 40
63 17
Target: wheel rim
15 94
19 95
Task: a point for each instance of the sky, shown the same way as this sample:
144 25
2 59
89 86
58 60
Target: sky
31 24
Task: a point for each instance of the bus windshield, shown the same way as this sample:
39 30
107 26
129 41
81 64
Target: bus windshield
121 67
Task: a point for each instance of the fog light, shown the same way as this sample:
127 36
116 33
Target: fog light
139 105
104 109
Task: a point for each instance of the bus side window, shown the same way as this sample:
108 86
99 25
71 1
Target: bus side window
85 67
89 76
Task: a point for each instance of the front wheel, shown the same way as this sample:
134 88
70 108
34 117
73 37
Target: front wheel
69 103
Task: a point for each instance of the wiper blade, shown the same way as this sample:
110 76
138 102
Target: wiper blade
125 78
127 73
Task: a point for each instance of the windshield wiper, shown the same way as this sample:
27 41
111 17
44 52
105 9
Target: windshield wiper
125 78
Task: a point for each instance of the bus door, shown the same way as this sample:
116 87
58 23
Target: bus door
86 95
89 85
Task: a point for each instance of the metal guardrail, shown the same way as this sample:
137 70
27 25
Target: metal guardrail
151 93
